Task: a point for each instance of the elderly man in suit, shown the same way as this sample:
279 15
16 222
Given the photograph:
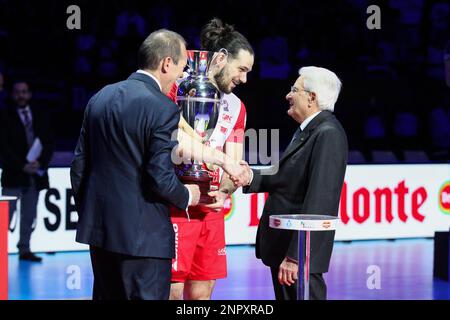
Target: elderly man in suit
307 180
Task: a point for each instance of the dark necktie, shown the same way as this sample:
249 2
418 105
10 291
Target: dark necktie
27 122
294 137
26 118
296 134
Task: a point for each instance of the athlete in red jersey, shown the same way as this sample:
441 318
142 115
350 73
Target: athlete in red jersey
200 239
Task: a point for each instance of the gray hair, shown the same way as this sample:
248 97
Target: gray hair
159 45
324 83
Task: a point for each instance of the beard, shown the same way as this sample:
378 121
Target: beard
21 103
222 83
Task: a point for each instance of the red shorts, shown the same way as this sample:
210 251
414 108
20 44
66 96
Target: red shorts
200 252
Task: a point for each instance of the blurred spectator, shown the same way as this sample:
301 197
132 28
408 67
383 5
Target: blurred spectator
127 19
108 64
447 63
86 43
439 123
82 66
85 48
439 32
375 128
273 56
440 22
408 28
434 63
26 149
3 94
161 15
406 131
191 31
410 45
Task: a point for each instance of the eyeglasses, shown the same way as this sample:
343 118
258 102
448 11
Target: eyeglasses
295 90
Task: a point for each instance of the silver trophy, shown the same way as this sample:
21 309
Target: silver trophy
199 101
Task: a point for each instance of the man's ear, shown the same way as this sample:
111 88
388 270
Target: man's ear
221 58
219 61
166 62
312 97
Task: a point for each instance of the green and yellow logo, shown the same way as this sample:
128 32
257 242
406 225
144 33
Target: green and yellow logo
228 208
444 198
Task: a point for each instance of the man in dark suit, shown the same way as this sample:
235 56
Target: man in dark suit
307 180
123 177
24 177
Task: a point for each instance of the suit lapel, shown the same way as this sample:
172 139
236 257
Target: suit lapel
294 146
304 136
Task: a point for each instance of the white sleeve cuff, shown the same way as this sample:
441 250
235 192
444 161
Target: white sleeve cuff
190 198
251 177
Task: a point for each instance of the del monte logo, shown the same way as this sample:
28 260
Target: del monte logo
444 197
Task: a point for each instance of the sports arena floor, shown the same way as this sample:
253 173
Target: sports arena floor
360 270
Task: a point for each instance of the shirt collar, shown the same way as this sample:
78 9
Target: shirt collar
308 120
21 110
151 76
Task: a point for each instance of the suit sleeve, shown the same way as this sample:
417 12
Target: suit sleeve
78 166
160 167
328 164
8 157
261 180
47 139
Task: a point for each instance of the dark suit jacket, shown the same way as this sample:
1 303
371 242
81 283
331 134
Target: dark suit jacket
308 181
122 174
14 148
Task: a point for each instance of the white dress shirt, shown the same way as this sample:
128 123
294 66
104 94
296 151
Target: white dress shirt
308 120
151 76
22 115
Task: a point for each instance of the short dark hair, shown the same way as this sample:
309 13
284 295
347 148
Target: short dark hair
159 45
216 35
17 81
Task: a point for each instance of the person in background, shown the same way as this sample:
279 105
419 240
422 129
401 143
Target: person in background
26 147
3 94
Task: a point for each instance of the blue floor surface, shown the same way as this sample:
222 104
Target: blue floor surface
361 270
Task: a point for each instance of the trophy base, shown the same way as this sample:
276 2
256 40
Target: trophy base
194 174
205 199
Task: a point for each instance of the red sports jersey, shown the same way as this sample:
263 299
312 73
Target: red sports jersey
230 127
200 242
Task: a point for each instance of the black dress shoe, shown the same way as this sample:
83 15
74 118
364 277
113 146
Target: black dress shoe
29 256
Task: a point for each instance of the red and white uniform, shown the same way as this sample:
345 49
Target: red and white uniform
200 241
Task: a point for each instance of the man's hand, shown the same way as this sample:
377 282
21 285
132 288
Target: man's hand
244 175
32 167
288 272
195 193
220 200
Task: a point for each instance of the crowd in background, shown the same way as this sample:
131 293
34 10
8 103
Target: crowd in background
395 102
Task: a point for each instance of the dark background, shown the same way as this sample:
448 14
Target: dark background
394 97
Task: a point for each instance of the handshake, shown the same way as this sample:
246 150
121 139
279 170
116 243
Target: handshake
240 174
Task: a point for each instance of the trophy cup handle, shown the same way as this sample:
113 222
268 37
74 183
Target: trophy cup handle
221 55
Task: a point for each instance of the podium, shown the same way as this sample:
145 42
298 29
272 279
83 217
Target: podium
303 224
5 203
